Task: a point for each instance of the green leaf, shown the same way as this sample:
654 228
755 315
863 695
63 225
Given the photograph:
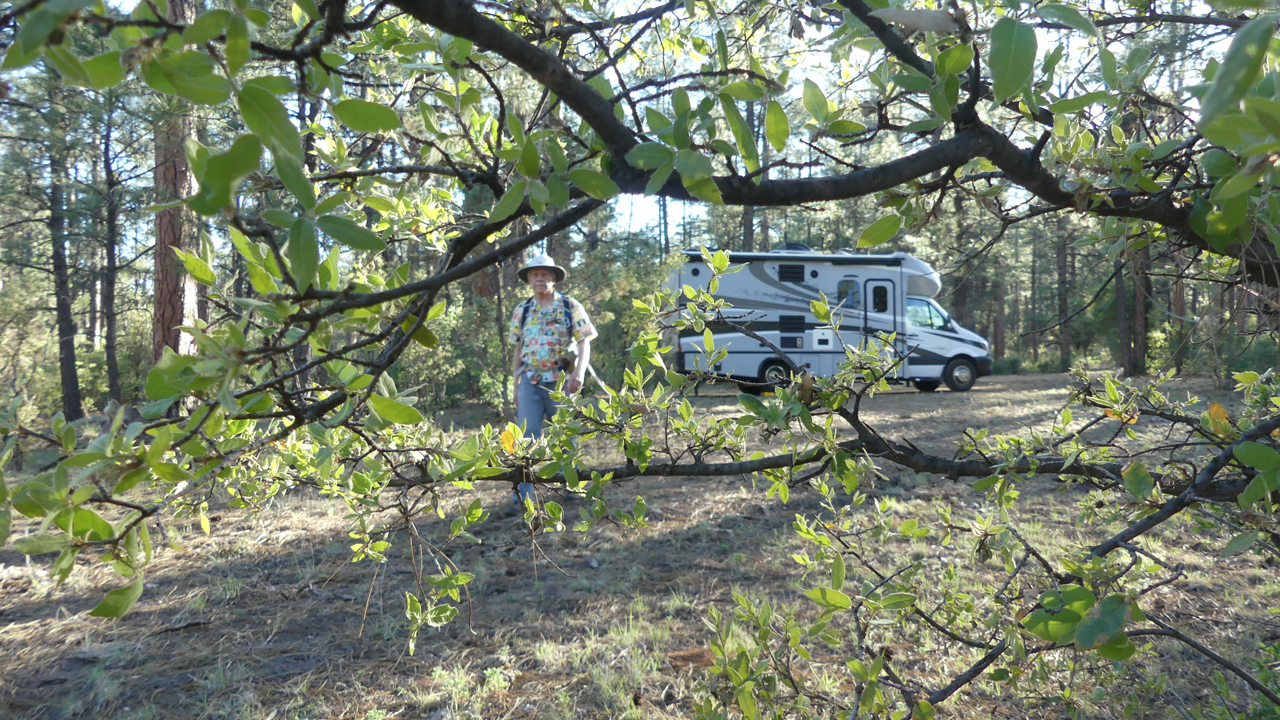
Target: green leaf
1256 455
509 203
6 523
394 411
295 180
838 571
41 544
364 116
1109 73
692 166
659 178
346 231
267 117
223 173
744 90
309 8
197 268
304 253
236 51
68 66
1069 16
1240 543
1011 58
1119 649
1239 68
752 404
650 155
84 524
441 615
105 70
206 27
1101 624
705 190
777 128
897 601
830 599
880 231
1078 103
530 164
956 59
31 37
746 142
1137 481
816 102
594 183
117 602
423 336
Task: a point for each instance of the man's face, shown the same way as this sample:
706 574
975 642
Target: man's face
542 280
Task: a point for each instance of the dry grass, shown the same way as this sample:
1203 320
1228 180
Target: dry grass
267 618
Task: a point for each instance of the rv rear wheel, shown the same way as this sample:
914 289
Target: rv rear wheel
927 385
775 373
960 374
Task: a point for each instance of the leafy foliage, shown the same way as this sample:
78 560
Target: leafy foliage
363 162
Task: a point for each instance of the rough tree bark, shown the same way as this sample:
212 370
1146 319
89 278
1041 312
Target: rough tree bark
1064 298
110 270
175 292
1123 325
72 405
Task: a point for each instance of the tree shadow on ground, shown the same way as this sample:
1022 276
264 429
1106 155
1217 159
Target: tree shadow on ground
267 614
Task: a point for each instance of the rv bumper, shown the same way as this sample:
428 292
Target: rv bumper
984 365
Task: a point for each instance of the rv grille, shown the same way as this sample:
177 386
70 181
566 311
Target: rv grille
791 273
791 324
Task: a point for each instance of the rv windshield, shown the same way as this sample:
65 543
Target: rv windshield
925 314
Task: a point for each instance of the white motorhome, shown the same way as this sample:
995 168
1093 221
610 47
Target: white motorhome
869 295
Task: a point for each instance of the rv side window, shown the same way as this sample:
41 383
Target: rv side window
791 273
850 293
880 299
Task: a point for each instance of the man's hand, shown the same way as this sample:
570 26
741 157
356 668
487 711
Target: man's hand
573 384
515 392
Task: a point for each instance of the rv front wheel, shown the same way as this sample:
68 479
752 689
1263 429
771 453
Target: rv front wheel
775 373
927 385
960 374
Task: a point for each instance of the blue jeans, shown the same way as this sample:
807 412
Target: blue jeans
534 407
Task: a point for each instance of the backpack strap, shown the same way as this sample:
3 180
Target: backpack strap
568 313
526 306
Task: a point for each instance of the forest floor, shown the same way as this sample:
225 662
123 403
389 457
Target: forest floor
266 617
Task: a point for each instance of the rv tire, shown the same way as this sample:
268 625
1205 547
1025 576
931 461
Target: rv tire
775 373
960 374
927 385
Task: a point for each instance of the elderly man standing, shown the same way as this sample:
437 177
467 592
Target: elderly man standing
548 330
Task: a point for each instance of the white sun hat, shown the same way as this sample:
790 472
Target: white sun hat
542 260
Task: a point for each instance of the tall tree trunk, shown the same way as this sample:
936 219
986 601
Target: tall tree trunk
1141 310
1064 300
1179 312
110 242
72 405
1122 322
997 346
749 212
175 292
1032 319
764 241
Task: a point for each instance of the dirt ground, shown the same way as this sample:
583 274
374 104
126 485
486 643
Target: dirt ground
267 617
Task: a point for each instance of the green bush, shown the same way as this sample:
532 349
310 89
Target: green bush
1009 365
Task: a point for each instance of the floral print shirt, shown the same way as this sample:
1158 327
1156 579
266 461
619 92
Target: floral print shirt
545 339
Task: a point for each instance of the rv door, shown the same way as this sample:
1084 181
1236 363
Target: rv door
881 315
